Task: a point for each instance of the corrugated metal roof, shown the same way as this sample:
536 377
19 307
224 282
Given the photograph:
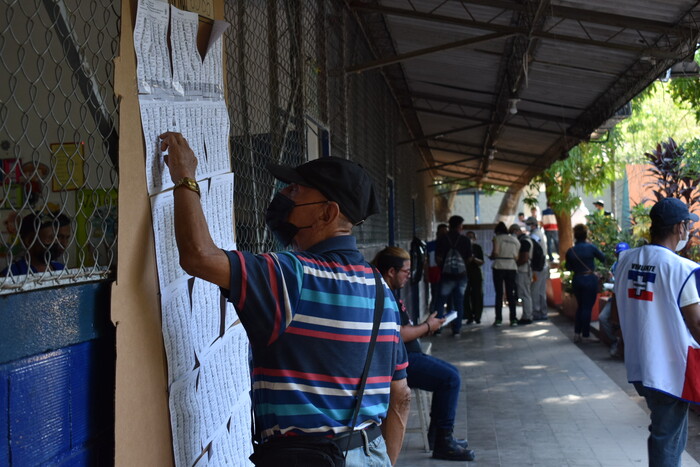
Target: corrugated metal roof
458 65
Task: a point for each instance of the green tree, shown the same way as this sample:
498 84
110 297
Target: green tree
591 166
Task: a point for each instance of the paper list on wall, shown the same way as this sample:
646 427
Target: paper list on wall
228 446
206 314
216 138
150 42
218 210
207 353
212 66
188 116
167 256
178 334
185 413
157 117
187 64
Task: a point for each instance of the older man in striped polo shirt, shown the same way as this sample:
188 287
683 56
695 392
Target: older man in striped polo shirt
309 312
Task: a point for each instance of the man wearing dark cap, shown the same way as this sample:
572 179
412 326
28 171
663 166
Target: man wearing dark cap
38 235
308 313
656 296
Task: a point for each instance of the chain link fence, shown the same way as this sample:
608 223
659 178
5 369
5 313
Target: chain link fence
58 142
290 100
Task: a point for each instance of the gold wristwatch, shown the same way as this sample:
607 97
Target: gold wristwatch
190 184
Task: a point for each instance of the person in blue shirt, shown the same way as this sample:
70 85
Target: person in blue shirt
38 235
580 259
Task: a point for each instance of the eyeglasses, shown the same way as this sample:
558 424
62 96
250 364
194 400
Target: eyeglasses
405 270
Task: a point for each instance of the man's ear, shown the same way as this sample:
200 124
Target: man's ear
331 212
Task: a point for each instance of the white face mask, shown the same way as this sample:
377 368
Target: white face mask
683 241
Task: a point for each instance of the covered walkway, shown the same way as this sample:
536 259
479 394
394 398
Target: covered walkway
531 397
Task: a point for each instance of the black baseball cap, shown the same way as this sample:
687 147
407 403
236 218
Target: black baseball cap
531 221
340 180
671 211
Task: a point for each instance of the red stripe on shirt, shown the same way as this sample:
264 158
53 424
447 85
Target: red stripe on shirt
340 337
317 376
244 280
278 310
333 264
643 295
402 366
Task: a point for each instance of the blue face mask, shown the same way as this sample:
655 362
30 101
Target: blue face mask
276 218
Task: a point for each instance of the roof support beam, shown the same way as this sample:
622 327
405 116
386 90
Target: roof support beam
484 121
589 16
442 133
429 50
489 107
505 29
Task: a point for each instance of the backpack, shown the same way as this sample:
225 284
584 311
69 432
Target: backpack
537 259
454 263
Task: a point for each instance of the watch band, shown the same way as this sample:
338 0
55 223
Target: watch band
190 184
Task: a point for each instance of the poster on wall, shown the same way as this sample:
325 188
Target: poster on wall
68 160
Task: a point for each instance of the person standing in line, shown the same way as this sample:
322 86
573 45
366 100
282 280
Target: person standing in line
434 274
504 256
551 228
453 252
521 221
580 259
657 302
308 313
523 278
474 295
424 371
538 288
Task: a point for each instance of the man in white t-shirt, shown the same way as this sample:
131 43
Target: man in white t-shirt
656 295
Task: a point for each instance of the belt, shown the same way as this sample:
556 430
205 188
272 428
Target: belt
357 438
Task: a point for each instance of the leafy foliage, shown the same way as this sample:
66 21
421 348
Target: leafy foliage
673 177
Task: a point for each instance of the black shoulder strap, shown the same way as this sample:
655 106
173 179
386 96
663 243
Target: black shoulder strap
378 312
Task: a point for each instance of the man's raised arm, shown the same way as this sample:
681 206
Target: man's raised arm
199 256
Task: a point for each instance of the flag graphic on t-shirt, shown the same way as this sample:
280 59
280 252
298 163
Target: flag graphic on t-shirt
640 283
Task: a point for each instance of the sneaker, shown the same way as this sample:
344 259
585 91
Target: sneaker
469 321
523 322
513 323
577 338
541 318
456 334
477 321
589 339
498 323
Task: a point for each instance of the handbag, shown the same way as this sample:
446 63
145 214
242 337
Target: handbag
598 275
319 451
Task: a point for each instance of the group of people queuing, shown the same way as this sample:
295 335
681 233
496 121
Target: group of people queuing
334 353
519 270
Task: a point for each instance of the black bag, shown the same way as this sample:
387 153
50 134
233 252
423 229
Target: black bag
454 263
537 259
298 451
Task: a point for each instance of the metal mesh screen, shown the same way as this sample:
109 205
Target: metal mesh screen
58 142
285 73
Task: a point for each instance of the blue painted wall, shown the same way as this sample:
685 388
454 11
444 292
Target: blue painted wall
57 377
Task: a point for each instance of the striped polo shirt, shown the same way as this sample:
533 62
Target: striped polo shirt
309 319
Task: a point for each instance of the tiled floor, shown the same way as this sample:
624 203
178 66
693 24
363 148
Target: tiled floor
530 397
